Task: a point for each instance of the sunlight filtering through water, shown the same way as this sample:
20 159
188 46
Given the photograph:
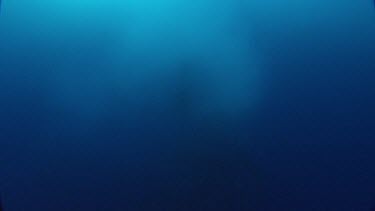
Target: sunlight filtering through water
187 105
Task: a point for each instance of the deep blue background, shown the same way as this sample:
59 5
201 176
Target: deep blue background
101 105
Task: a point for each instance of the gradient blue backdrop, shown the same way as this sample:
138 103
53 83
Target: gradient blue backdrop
187 105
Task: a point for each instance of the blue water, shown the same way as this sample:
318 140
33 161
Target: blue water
187 105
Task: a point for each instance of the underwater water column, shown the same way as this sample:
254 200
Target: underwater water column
126 94
187 105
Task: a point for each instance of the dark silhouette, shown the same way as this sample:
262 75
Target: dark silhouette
1 204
